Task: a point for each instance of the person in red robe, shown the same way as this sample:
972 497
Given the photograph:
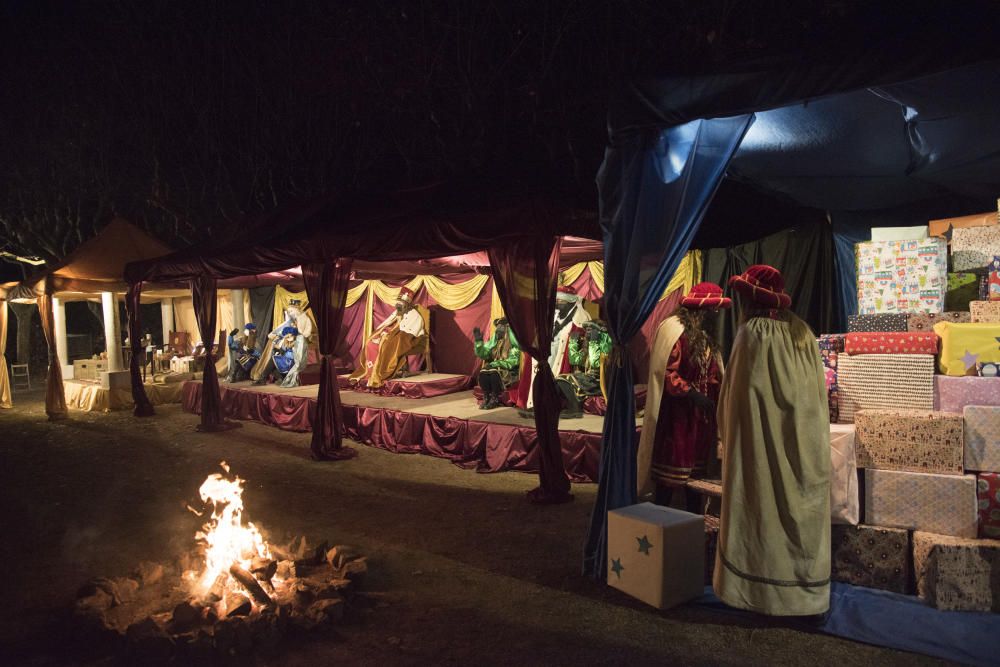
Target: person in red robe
686 432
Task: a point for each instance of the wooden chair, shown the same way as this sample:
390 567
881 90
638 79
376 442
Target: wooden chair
20 378
180 343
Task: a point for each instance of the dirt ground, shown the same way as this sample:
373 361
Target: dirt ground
472 572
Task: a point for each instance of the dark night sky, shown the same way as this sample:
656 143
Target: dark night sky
186 116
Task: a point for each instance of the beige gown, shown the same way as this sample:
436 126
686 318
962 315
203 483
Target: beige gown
774 540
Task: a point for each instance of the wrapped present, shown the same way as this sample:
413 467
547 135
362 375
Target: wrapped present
911 440
871 556
962 345
993 280
988 495
711 545
957 574
984 287
884 381
656 554
907 342
829 353
989 369
945 225
982 437
832 342
926 321
879 322
973 248
984 311
952 394
962 288
943 504
899 233
845 504
902 276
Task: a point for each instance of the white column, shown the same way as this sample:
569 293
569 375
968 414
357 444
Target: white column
167 317
112 331
239 308
59 320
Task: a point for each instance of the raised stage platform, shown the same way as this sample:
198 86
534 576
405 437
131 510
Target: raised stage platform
449 426
424 385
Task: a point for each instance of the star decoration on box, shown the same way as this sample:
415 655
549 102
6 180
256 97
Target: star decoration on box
644 544
970 360
616 567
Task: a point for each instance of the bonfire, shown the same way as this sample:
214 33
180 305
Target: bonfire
233 593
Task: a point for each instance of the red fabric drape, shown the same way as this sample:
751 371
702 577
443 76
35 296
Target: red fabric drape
143 408
326 286
526 273
203 296
55 397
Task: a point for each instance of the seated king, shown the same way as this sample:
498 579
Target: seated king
384 354
291 339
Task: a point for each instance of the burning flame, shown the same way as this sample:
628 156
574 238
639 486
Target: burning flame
227 540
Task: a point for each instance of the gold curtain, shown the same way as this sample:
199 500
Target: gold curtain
5 400
281 299
355 293
687 275
496 308
458 296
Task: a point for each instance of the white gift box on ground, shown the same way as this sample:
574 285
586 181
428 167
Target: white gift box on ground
656 554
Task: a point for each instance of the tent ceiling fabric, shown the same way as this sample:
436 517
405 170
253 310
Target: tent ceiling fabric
883 147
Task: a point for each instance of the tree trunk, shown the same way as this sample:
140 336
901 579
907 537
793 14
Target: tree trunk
24 312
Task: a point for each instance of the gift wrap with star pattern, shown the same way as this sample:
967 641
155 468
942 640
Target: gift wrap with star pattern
884 382
883 322
962 345
982 437
902 276
957 574
988 495
656 554
942 504
973 248
871 556
910 440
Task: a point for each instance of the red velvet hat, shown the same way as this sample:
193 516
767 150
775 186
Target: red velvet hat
706 296
405 294
763 285
566 292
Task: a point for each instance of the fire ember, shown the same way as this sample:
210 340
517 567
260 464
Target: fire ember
235 594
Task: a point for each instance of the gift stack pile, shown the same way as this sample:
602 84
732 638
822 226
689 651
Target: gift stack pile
915 382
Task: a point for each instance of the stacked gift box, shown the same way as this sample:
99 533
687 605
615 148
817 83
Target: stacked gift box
912 378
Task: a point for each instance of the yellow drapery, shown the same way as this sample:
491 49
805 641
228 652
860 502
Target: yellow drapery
5 399
687 275
281 298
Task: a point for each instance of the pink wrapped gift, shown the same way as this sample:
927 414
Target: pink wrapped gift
952 394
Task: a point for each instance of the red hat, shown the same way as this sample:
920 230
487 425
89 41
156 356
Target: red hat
566 293
706 296
566 289
405 294
763 285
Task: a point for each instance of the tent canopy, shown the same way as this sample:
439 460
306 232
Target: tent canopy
448 224
96 265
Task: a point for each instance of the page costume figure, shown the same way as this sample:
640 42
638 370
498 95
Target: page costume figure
680 414
569 317
384 354
292 350
501 357
243 354
774 540
587 354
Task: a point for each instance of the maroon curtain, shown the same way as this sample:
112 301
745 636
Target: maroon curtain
526 273
55 396
326 286
143 408
203 294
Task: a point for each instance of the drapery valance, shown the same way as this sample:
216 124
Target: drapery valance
687 275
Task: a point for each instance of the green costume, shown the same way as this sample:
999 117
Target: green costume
501 357
774 543
585 356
